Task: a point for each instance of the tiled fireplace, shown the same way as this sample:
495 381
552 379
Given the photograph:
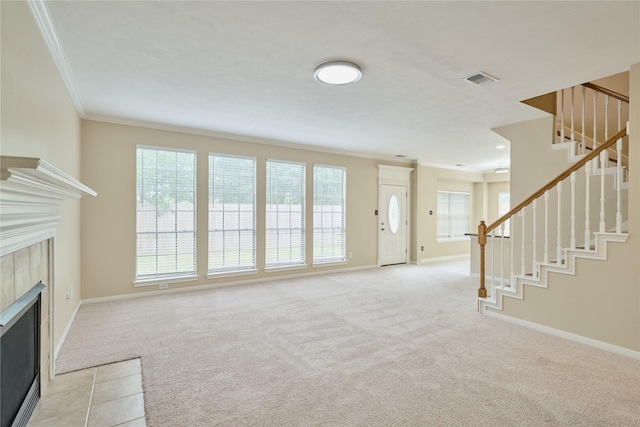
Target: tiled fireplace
30 192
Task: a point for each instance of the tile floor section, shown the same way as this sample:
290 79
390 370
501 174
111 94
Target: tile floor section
104 396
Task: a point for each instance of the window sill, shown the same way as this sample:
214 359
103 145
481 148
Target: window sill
222 274
329 263
285 267
170 279
453 239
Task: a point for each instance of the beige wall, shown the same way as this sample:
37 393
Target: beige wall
39 119
602 302
108 221
429 181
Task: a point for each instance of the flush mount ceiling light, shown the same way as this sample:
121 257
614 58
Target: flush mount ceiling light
337 73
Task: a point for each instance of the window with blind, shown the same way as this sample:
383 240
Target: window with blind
232 213
453 215
328 214
165 217
284 234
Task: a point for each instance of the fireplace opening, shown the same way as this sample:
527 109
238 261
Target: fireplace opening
20 358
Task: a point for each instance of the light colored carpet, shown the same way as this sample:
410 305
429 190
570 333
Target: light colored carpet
395 346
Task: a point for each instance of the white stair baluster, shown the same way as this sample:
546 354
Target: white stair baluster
606 127
573 136
522 260
595 128
534 261
603 157
562 116
587 224
559 226
502 254
545 258
584 134
493 261
512 282
619 176
573 210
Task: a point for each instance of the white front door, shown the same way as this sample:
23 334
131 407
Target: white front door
392 224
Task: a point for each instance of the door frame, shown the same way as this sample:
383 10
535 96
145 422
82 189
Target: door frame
400 176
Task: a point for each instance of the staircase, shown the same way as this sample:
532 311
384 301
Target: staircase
576 215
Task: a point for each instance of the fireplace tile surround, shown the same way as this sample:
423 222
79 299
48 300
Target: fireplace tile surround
20 271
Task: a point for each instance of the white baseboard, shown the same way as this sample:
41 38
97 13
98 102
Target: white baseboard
222 285
443 258
568 335
66 332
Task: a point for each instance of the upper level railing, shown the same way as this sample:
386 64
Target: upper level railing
525 235
585 118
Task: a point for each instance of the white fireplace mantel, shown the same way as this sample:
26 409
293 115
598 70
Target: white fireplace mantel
30 192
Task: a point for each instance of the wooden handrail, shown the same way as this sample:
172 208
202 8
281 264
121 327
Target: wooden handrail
621 134
484 229
606 91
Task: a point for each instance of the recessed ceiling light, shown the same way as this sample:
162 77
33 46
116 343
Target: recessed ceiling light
459 164
401 156
501 146
337 73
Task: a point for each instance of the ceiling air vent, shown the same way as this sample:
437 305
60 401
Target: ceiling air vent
481 79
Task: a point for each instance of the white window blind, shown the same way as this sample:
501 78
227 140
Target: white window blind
453 215
328 214
284 236
232 213
165 220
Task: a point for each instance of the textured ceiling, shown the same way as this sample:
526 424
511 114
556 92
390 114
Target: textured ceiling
246 68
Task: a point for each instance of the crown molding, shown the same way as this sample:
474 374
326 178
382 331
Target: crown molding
238 137
48 31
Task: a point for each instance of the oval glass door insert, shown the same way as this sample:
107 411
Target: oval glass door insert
394 214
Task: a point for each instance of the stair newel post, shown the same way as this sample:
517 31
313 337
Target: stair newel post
587 223
584 135
619 175
534 261
545 258
573 210
522 258
482 241
559 226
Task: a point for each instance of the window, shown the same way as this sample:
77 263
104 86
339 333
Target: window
328 214
453 215
232 213
284 214
504 206
165 220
